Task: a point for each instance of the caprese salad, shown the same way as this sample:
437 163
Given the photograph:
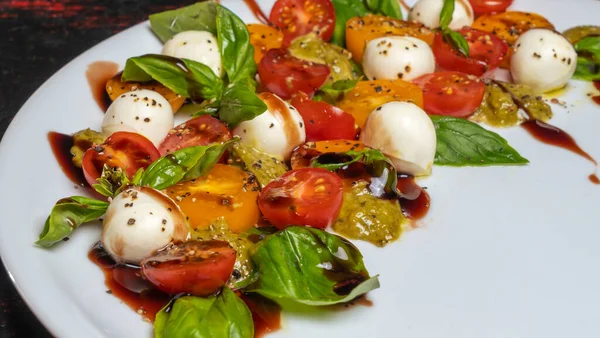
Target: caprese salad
316 120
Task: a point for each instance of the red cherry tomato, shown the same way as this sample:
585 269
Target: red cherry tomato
284 75
451 93
324 121
486 52
300 17
199 131
307 196
481 7
128 151
198 267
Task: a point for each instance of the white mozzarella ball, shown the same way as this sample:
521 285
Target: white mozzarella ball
139 221
543 60
200 46
142 111
397 57
428 12
404 133
277 131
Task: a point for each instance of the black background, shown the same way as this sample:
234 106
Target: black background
37 38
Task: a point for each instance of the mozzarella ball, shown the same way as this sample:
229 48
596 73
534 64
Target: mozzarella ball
428 12
139 221
200 46
543 60
142 111
404 133
397 57
277 131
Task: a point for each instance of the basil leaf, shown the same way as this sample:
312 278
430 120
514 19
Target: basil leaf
389 8
588 62
587 70
456 40
446 13
185 77
137 178
310 266
464 143
237 53
183 165
344 11
223 316
111 182
240 103
198 17
66 215
332 92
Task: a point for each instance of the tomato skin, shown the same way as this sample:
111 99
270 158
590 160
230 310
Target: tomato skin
451 93
128 151
322 120
486 52
284 75
263 38
481 7
200 131
300 17
200 268
306 196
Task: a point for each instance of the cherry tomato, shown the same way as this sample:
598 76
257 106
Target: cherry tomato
324 121
199 131
451 93
284 75
302 155
128 151
307 196
263 38
300 17
198 267
486 52
481 7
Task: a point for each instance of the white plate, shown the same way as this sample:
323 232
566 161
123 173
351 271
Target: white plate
504 252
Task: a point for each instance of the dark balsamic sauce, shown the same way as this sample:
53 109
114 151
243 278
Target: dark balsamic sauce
256 11
415 201
97 74
596 98
266 314
61 148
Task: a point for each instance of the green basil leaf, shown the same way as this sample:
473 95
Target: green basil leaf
137 178
223 316
587 69
588 62
66 215
237 53
183 165
240 103
185 77
198 17
463 143
332 92
344 11
310 266
389 8
456 40
111 182
446 13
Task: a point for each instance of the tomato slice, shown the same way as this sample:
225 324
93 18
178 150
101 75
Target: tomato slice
300 17
451 93
486 52
284 75
200 268
307 196
481 7
128 151
199 131
263 38
324 121
302 155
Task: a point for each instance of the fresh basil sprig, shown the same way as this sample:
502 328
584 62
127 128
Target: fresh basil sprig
221 316
237 53
463 143
183 165
310 266
68 214
200 16
113 181
588 60
240 103
455 39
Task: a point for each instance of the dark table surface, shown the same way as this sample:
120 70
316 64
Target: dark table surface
37 38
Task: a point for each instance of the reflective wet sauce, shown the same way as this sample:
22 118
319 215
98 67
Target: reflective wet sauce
256 11
97 74
596 98
61 148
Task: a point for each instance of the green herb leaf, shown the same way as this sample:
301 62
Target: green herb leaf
112 181
137 178
332 92
463 143
185 77
236 50
446 13
67 214
199 17
223 316
344 11
456 40
240 103
310 266
183 165
588 62
389 8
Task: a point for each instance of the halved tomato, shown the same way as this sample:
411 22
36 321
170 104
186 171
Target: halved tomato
128 151
263 38
481 7
451 93
300 17
115 88
322 120
307 196
199 131
284 75
200 268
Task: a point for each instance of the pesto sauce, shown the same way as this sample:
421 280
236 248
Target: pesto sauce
264 167
311 48
368 218
82 140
